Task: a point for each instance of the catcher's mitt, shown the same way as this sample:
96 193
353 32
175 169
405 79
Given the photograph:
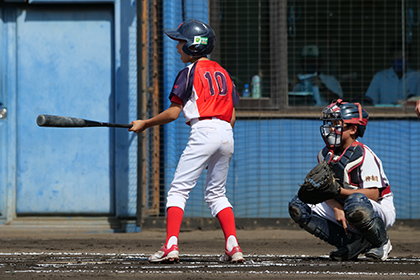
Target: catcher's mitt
319 185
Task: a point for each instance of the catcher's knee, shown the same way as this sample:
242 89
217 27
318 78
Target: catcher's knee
360 214
358 209
299 211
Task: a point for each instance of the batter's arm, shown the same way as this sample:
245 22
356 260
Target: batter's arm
167 116
233 119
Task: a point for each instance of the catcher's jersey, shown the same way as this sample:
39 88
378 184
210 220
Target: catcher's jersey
206 91
358 168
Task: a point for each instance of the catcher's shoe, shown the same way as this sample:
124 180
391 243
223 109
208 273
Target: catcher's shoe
380 253
165 255
341 254
234 256
350 251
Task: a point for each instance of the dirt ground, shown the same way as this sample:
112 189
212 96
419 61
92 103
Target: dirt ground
270 254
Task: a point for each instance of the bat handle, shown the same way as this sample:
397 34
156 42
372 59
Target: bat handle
120 125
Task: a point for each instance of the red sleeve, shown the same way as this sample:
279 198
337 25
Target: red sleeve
176 99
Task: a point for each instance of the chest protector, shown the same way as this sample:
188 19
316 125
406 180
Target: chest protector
345 165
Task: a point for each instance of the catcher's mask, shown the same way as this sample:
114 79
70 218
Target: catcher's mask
338 113
199 36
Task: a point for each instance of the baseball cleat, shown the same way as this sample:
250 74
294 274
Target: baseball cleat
234 256
165 255
380 253
341 254
350 251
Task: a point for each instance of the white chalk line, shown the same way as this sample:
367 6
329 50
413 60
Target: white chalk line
185 256
193 266
182 255
214 272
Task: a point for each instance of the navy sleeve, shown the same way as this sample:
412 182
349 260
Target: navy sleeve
235 95
183 85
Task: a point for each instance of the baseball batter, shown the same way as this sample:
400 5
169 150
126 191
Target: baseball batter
357 219
206 95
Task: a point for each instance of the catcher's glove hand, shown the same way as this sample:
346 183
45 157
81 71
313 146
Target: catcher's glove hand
319 185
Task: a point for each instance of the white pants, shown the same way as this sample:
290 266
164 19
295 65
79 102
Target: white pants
210 144
385 209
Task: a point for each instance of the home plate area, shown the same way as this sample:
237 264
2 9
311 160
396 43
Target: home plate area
25 265
270 253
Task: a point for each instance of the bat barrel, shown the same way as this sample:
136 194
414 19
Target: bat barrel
41 120
61 121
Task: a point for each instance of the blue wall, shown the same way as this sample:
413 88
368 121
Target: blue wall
73 171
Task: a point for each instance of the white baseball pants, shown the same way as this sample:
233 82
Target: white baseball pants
384 208
210 144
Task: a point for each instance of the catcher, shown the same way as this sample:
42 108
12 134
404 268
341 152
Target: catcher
346 200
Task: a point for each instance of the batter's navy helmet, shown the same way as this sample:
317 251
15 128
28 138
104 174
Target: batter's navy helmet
351 113
199 36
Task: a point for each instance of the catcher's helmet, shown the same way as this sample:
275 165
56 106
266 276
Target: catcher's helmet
351 113
199 36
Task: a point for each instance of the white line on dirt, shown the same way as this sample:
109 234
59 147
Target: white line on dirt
68 262
215 272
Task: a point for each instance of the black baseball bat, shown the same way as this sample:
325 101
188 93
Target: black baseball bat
61 121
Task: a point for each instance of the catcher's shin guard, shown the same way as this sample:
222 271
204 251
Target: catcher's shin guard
314 224
360 214
349 246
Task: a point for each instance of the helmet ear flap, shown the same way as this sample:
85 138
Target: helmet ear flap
186 49
191 49
360 130
196 50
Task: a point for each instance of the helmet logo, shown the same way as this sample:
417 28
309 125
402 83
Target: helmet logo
198 40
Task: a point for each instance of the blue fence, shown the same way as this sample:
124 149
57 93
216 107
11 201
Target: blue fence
273 156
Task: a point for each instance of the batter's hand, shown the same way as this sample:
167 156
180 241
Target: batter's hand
418 108
138 126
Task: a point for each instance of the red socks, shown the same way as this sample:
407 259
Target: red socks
227 222
173 224
174 220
